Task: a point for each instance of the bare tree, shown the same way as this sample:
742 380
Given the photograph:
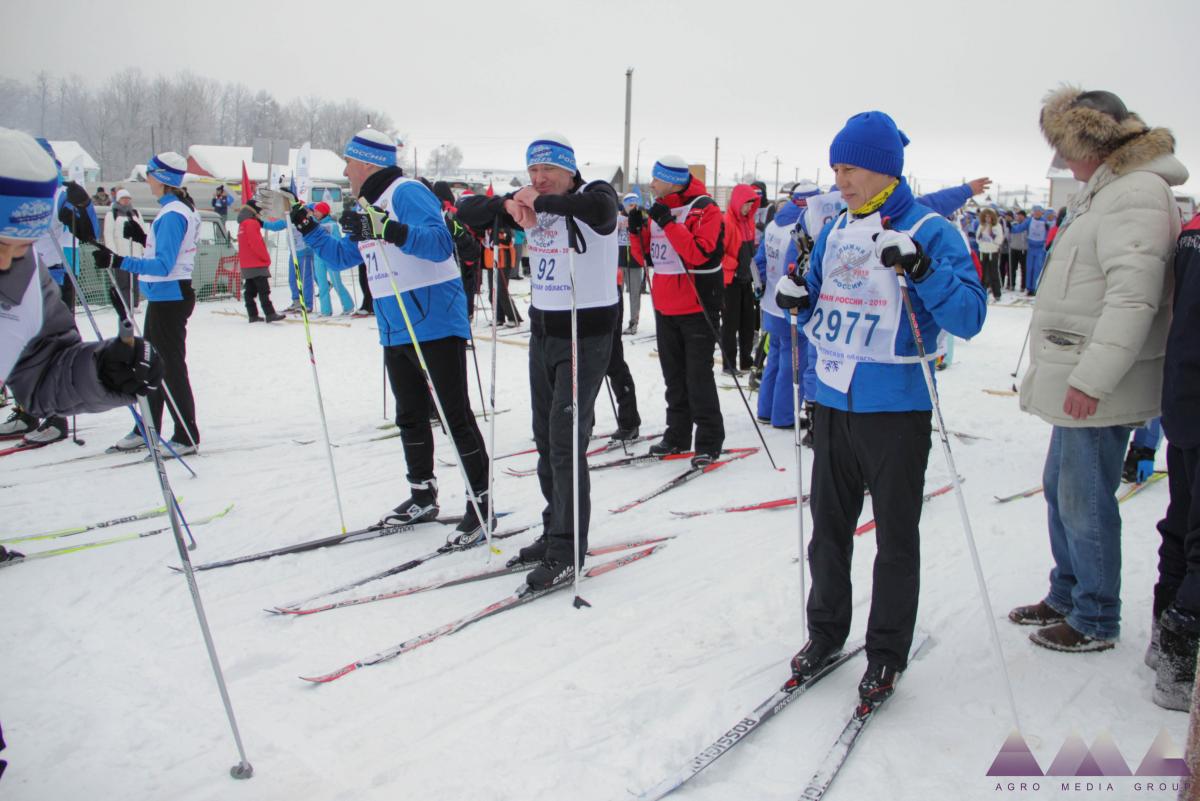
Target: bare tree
444 160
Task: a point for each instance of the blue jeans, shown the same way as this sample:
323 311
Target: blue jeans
328 276
305 257
1081 477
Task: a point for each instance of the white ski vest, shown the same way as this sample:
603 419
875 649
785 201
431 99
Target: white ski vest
182 270
666 260
550 265
859 311
43 247
777 239
390 269
19 324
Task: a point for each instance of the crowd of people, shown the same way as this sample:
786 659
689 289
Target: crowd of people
860 287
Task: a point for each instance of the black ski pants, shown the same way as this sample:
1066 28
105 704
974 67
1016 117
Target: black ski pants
550 394
166 330
447 362
367 303
1179 553
506 310
260 288
685 353
737 326
889 451
621 379
1016 261
991 272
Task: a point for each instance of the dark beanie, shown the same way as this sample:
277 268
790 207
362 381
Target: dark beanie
872 141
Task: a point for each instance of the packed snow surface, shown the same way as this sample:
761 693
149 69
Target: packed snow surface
108 692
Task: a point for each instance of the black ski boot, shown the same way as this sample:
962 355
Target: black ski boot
624 434
664 448
531 554
473 528
551 571
7 555
878 683
705 458
421 507
1133 461
1176 671
811 658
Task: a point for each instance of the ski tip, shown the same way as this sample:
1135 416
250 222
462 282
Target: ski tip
328 677
580 603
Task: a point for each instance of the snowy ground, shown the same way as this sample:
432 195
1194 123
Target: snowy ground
107 692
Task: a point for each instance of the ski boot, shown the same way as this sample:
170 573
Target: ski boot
473 528
421 506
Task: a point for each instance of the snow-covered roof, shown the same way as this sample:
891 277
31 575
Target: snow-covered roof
68 151
225 163
599 172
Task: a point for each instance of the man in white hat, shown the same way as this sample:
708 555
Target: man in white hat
120 214
43 360
409 255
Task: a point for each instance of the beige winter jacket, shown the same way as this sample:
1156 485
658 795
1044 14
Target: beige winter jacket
1103 305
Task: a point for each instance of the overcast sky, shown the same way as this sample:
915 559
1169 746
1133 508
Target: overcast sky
963 79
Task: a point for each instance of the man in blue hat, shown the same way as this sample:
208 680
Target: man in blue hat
872 419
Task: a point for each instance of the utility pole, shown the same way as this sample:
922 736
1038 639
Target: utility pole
716 152
796 176
777 175
416 164
628 107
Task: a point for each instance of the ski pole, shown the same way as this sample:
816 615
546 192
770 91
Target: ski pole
962 503
242 770
437 401
474 355
1021 357
575 242
312 360
491 521
613 403
795 332
733 372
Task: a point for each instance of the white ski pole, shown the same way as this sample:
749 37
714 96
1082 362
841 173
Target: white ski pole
795 334
573 243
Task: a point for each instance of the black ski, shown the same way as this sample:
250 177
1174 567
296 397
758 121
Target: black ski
775 703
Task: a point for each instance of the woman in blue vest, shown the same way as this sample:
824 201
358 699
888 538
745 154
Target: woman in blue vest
165 277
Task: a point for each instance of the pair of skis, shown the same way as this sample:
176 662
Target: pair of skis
1122 496
521 596
478 575
775 703
135 535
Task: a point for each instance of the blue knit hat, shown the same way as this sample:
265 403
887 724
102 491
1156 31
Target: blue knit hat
872 141
553 149
372 147
672 170
28 181
167 167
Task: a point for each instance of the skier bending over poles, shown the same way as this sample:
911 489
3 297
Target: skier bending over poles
43 361
873 409
557 198
407 249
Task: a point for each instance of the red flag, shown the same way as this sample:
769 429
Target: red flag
247 186
491 192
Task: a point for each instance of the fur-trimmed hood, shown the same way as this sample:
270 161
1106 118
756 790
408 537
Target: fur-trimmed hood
1081 131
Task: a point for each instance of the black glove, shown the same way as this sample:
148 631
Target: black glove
106 259
134 231
897 247
135 369
386 229
791 292
353 223
77 196
661 214
637 219
303 221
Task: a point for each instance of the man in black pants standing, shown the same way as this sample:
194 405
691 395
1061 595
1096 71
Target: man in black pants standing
557 200
624 391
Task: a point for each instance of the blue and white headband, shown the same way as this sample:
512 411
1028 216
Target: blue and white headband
371 149
555 152
28 182
680 176
160 170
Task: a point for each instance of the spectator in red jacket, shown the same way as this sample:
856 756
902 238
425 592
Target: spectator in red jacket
685 251
739 316
255 263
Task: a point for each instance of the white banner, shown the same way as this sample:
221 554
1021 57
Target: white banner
303 180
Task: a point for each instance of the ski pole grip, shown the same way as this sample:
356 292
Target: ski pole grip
126 334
